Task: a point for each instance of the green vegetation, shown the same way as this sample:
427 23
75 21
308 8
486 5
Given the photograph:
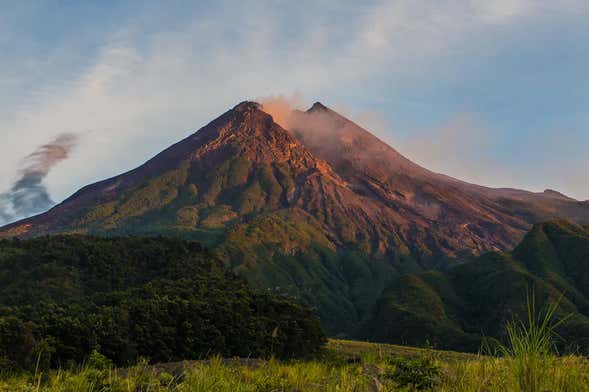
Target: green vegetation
361 297
531 346
526 363
460 307
421 373
163 299
345 366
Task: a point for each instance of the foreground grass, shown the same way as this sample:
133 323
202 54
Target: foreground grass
210 376
366 350
346 366
494 374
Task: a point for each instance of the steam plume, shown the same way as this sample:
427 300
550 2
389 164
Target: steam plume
281 108
288 112
28 195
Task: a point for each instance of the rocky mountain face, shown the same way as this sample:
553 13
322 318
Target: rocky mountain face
463 215
324 211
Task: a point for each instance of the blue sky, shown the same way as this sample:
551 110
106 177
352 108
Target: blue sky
494 92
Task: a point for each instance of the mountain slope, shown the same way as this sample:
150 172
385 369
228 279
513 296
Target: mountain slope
323 211
457 307
479 218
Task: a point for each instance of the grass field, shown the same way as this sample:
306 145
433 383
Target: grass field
345 366
356 348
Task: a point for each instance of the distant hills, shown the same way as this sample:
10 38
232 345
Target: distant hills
324 211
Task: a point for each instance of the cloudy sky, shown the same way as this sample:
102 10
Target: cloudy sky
492 91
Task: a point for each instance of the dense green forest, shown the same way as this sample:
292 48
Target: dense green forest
163 299
464 305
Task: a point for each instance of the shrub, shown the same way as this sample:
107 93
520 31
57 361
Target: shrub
420 373
98 361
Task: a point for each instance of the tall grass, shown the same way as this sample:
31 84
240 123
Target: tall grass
527 362
531 348
214 375
478 374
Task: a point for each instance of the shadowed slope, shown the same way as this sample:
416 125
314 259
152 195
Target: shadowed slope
458 307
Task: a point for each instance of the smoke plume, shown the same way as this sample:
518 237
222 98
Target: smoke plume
28 195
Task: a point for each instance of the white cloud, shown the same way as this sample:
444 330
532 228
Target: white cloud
499 10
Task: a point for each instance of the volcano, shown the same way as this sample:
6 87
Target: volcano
324 210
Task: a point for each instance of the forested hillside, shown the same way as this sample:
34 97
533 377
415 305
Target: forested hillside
163 299
459 307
